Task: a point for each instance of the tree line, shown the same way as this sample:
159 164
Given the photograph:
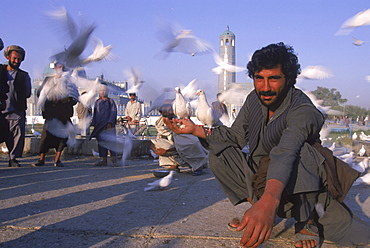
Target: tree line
333 98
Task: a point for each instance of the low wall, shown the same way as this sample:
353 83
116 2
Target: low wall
140 147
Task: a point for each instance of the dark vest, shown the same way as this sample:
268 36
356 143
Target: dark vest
276 127
19 90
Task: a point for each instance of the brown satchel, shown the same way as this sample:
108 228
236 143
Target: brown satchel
339 175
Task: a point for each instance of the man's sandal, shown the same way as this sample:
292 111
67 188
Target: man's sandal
233 225
310 228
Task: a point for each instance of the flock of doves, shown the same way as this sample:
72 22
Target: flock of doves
187 98
353 158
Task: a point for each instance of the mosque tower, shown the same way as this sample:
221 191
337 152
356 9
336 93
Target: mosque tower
227 54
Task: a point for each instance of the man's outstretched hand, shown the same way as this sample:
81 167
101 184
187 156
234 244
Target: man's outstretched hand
258 221
184 126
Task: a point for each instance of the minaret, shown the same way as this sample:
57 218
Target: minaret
227 54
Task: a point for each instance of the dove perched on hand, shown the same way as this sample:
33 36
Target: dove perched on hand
205 113
181 107
161 183
180 40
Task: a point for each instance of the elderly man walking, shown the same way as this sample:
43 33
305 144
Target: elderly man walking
19 84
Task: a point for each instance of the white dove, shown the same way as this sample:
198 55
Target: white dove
180 40
100 52
224 65
362 165
190 90
4 149
127 146
204 112
167 96
236 95
161 183
94 153
135 88
323 109
354 136
133 76
61 130
367 78
364 137
332 147
88 99
35 133
360 19
69 24
315 72
181 107
362 151
358 42
71 56
362 180
347 155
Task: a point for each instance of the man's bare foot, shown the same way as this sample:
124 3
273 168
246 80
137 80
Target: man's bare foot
233 225
306 242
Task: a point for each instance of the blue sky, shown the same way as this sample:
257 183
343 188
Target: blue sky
129 26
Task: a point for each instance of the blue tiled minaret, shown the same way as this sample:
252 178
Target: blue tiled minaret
227 54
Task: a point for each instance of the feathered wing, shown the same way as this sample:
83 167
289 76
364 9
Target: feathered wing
89 98
127 146
61 130
160 183
191 44
315 72
176 39
190 90
205 113
100 52
235 95
181 107
360 19
222 65
135 88
167 96
66 20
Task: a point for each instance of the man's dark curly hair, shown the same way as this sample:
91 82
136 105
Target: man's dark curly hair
273 55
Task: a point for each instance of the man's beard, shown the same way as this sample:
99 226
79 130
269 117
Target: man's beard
274 103
14 66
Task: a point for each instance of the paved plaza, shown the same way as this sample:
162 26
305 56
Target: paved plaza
80 205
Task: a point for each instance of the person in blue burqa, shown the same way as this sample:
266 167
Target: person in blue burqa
104 122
